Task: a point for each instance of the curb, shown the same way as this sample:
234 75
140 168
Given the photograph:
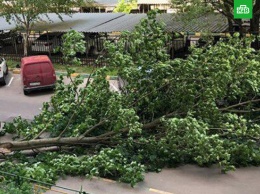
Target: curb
58 73
84 75
74 74
16 71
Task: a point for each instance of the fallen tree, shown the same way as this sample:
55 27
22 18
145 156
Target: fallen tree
202 110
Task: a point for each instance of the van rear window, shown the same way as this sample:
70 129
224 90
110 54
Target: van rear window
32 69
46 67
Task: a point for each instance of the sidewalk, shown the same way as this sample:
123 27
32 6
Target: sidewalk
58 73
187 179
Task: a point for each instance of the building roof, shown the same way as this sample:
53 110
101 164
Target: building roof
106 2
215 23
82 22
117 22
125 23
153 2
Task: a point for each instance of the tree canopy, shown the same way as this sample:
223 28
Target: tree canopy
25 13
201 110
125 6
194 8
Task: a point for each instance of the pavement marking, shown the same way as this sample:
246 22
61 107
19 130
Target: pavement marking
108 180
104 179
159 191
107 77
10 81
74 74
115 88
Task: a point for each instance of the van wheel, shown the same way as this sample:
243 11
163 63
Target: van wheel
25 92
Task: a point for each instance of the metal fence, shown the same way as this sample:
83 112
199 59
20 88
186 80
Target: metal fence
47 43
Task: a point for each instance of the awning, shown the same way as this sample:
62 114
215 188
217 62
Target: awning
153 2
118 22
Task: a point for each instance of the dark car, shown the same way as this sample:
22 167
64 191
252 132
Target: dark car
10 37
47 42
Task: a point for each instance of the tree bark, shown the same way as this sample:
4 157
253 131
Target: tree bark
254 22
69 141
49 142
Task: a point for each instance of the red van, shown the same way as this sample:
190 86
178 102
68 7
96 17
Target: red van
37 73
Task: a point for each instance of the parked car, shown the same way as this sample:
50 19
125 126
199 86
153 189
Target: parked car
47 42
10 37
3 71
122 83
37 73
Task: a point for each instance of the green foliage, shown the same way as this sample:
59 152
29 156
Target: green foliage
125 6
191 9
202 110
11 188
19 126
194 8
72 43
214 83
107 163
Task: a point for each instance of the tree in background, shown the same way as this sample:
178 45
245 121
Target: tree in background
25 13
125 6
195 8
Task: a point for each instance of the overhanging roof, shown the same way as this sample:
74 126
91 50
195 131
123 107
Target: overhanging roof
125 23
215 23
106 2
153 2
82 22
118 22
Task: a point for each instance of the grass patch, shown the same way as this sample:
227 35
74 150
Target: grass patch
82 69
62 68
12 64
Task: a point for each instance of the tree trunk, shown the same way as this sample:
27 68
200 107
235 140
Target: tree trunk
230 26
254 22
49 142
230 20
25 44
254 25
26 38
70 141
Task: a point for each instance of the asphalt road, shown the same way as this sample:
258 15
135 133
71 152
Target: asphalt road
188 179
14 103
